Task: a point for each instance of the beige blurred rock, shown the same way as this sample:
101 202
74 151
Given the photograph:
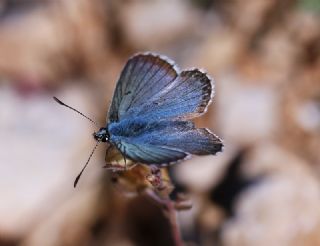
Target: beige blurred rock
62 39
43 147
279 54
307 116
304 26
246 112
299 128
202 173
68 223
220 50
250 16
283 209
150 24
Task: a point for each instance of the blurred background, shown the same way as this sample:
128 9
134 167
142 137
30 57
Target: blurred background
264 55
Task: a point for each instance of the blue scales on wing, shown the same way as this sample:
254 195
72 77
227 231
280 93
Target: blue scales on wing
161 142
151 86
147 119
142 77
186 97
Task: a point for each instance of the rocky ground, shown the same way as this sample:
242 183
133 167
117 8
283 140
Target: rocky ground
264 56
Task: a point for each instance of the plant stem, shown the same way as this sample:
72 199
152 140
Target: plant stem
172 214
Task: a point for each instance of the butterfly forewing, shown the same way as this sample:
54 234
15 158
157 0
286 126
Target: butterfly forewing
143 76
185 98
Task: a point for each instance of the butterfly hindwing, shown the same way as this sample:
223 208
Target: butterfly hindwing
150 154
162 142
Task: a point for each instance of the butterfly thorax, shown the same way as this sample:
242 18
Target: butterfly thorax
128 127
102 135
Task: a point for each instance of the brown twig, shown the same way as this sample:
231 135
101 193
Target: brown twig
172 214
161 195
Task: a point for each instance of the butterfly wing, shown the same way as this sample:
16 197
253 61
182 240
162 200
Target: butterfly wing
188 96
162 142
151 86
150 154
141 78
150 100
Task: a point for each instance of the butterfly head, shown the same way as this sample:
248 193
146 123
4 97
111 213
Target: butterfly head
102 135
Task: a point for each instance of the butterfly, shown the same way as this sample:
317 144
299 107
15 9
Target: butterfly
149 118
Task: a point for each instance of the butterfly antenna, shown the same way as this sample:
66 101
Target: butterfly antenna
63 104
84 167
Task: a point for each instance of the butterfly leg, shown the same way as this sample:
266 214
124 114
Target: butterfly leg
125 160
107 152
112 167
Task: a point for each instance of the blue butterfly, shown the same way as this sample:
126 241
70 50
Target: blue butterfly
149 118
